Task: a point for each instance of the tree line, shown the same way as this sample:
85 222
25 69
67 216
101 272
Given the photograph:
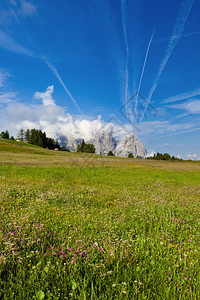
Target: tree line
87 148
5 135
34 137
39 138
165 156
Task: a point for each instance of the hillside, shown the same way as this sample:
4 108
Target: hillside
19 147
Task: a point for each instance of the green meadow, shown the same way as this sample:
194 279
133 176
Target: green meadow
83 226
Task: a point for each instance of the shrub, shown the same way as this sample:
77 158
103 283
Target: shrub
110 153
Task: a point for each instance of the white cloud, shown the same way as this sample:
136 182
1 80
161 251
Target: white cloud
192 106
8 97
46 97
151 153
47 116
53 119
193 156
56 122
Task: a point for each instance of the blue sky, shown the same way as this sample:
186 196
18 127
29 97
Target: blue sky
75 65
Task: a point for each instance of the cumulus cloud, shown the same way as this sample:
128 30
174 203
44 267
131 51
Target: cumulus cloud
51 118
57 123
46 97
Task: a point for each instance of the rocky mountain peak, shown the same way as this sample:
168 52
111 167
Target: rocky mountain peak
105 142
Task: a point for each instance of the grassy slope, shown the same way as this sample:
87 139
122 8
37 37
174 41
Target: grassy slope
136 220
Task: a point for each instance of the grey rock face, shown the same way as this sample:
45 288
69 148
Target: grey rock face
105 142
130 144
69 143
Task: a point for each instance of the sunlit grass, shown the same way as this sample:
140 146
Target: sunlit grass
78 226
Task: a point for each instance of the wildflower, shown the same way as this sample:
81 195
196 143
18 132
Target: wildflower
185 278
186 268
169 279
114 285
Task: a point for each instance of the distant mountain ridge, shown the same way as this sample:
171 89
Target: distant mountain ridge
105 142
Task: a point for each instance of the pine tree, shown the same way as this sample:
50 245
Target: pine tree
21 135
5 135
27 135
82 145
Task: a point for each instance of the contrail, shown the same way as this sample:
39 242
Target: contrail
182 36
144 65
124 23
184 12
53 69
9 44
